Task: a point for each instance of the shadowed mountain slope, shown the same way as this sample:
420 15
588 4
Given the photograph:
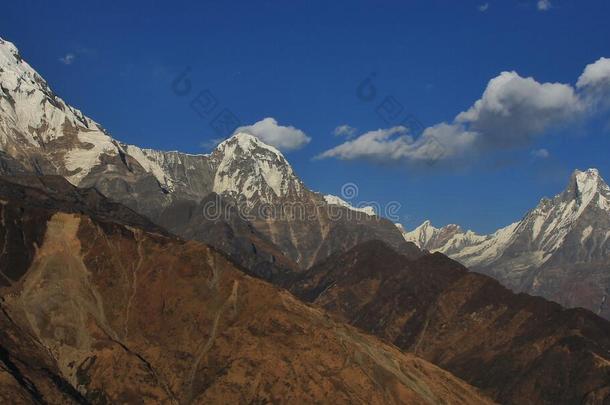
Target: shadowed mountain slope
517 348
103 312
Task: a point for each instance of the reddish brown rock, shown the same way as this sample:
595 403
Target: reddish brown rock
517 348
117 314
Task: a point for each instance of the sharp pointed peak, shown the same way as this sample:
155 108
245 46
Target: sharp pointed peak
588 174
239 137
425 227
428 224
245 136
584 187
590 171
248 143
454 227
585 181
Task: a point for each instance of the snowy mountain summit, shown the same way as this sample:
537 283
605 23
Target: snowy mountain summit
42 134
588 187
34 119
46 135
560 249
245 167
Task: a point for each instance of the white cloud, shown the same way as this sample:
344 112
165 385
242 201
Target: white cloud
541 153
345 130
513 109
269 131
68 59
595 74
544 5
454 140
379 144
594 83
483 7
512 112
395 144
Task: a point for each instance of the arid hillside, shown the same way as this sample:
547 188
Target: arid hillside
96 311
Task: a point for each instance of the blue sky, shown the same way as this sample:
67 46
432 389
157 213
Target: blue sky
301 62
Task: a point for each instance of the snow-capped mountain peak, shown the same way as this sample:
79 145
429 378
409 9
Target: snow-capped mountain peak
248 143
47 135
426 236
34 117
586 187
552 242
422 235
38 126
546 226
249 169
34 102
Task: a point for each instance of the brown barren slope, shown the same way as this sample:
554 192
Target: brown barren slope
519 349
122 315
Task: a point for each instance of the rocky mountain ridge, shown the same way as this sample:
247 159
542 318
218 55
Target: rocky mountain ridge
40 133
560 249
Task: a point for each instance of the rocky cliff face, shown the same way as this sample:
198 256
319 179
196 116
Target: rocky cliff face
94 310
28 373
519 349
40 133
559 250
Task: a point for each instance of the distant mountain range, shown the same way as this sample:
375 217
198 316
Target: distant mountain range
559 250
42 134
107 294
